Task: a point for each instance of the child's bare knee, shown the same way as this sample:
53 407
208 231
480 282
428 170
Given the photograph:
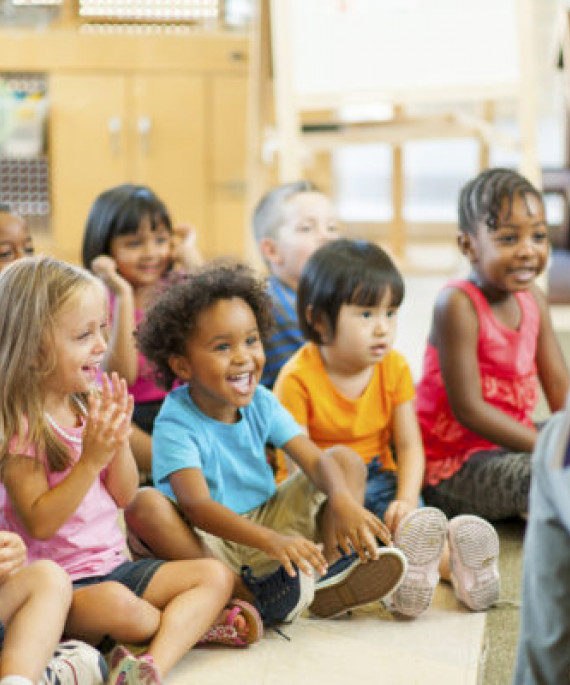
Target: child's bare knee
348 460
148 507
51 578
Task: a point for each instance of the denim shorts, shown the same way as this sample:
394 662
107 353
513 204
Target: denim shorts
381 489
136 575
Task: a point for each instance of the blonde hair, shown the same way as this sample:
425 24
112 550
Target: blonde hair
32 291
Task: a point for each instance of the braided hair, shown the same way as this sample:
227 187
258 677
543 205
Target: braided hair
482 197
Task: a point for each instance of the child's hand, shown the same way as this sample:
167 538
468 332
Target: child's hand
108 423
13 554
359 528
185 252
106 268
295 549
396 511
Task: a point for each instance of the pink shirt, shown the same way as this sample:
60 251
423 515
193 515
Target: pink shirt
90 542
508 381
144 389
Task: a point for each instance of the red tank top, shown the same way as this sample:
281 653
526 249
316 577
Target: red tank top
508 381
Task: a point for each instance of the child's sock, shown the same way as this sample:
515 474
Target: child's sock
15 680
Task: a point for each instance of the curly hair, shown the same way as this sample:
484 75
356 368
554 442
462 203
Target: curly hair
173 317
481 198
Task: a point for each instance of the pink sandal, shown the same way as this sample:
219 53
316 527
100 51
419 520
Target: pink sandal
226 633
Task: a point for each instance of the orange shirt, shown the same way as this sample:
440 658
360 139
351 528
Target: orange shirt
365 424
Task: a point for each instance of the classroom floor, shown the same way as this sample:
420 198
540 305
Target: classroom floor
442 647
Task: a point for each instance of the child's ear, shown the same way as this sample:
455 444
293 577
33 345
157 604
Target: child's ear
466 246
180 366
269 251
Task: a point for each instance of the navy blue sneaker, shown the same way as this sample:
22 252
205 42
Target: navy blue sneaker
278 597
351 583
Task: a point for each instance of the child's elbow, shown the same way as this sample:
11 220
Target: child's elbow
40 530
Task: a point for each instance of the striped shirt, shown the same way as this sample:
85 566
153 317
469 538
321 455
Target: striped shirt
286 337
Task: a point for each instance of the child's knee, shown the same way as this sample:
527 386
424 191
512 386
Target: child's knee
149 508
349 461
50 578
215 574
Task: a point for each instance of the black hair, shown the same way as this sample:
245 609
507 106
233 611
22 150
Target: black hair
482 197
119 211
345 272
173 317
5 208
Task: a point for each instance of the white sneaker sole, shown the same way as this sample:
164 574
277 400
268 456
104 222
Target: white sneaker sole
421 536
474 554
360 584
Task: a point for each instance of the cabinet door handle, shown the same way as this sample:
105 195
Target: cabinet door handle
114 126
144 126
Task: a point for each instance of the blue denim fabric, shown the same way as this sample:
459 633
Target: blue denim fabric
381 489
136 575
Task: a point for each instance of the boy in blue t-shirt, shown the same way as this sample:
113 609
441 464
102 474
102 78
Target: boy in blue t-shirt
209 460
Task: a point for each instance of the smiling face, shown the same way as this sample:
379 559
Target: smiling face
308 222
364 335
78 342
15 240
224 359
143 257
508 258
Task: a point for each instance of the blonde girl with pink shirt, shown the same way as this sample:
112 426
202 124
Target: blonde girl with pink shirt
67 469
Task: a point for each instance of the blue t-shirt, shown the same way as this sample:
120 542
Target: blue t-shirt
230 455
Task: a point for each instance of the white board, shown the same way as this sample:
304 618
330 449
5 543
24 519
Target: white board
399 50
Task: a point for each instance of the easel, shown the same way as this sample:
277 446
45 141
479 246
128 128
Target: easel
273 87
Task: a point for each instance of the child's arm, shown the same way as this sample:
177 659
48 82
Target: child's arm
354 524
13 554
193 496
410 464
121 355
43 510
550 362
455 335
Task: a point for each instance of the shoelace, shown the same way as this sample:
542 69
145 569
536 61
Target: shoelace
253 585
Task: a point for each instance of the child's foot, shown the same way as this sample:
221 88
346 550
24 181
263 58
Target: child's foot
127 669
474 554
278 597
75 662
239 625
421 537
351 583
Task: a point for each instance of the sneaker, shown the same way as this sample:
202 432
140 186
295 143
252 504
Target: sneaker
127 669
474 554
278 597
75 662
421 537
351 583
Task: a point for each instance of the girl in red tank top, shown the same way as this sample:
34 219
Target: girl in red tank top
490 347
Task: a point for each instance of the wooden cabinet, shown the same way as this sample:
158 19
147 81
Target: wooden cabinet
112 129
167 111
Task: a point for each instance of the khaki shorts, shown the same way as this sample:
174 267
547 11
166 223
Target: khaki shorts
293 510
